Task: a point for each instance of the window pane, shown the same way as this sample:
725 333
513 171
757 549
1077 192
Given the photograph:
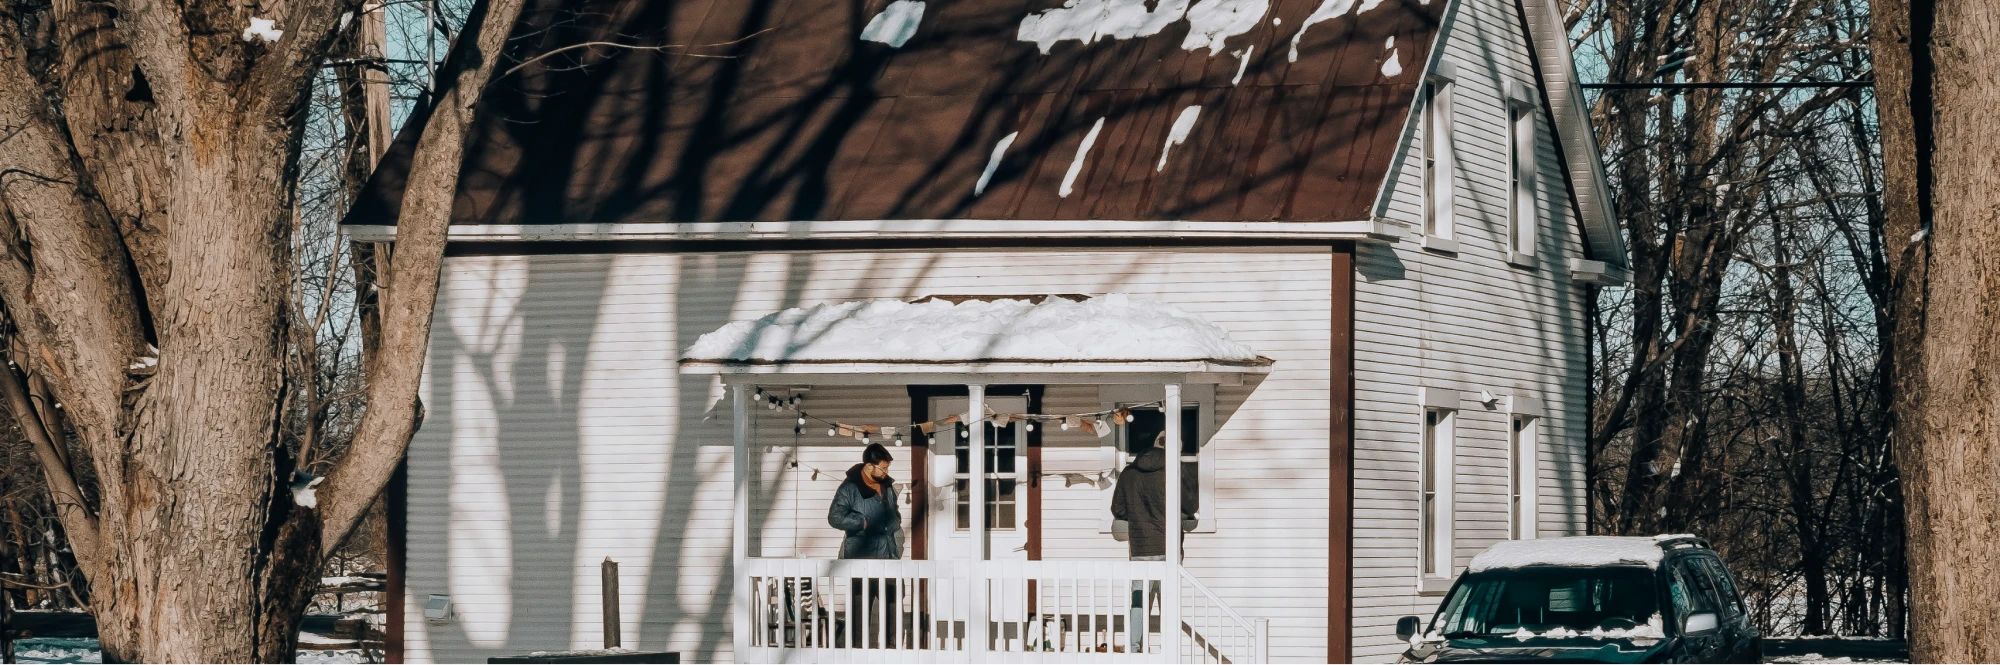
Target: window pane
1000 452
1002 514
964 497
1580 599
959 448
1691 590
1732 603
1147 424
1427 508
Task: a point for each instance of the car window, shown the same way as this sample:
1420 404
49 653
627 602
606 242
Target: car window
1554 603
1732 602
1693 592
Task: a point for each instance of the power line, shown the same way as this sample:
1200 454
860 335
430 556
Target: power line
1726 85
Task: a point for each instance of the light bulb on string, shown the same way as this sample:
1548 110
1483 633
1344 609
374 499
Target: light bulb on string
802 420
865 440
760 394
829 432
1031 426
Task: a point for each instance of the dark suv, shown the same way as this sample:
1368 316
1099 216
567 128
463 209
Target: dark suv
1589 599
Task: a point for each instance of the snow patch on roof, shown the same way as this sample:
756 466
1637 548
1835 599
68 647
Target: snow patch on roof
993 163
1211 22
1328 9
1393 66
1179 133
1076 163
1573 551
895 24
1111 327
1090 20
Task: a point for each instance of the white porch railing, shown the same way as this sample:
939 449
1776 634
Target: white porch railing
817 610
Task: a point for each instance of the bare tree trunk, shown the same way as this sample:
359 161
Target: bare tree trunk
1934 64
148 273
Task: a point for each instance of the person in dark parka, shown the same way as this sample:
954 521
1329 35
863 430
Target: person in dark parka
865 507
1141 499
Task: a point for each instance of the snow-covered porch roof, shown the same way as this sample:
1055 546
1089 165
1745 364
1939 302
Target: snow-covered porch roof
998 340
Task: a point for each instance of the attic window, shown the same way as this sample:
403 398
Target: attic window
1523 191
1434 154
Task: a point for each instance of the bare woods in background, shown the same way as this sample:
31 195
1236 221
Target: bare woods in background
1740 382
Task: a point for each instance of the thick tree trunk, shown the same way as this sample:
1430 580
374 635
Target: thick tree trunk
1935 61
147 273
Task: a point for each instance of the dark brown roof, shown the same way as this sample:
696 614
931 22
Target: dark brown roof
787 115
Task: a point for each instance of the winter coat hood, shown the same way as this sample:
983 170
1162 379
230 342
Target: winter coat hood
1153 460
854 477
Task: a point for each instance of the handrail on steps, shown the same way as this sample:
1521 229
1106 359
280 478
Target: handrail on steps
1260 629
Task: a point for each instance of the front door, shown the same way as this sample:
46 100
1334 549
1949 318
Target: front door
950 518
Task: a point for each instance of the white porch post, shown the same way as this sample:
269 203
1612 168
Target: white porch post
1170 605
975 448
739 534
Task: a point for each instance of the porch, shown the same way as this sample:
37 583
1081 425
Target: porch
958 601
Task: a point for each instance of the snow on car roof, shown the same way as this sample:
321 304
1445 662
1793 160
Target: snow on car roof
1576 551
1111 327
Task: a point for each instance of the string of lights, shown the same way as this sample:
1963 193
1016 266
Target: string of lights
1098 422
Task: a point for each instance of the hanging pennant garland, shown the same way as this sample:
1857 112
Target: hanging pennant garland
1097 423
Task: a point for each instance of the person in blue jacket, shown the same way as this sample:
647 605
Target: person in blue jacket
865 508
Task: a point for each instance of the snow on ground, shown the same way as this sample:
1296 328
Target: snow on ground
84 650
1572 551
1816 658
1111 327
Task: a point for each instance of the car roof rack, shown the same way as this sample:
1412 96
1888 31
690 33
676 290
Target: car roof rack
1681 541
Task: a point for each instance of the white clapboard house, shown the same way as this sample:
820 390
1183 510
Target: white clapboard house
1350 242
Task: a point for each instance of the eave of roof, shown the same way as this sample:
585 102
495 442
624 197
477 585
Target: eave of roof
1603 233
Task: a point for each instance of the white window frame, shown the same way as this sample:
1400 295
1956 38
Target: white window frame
1112 457
1524 479
1524 187
1438 223
1437 476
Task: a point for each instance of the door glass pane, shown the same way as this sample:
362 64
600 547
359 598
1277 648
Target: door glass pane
1000 449
964 492
1002 500
1000 513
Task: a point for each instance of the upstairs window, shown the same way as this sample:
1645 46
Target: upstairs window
1522 191
1434 151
